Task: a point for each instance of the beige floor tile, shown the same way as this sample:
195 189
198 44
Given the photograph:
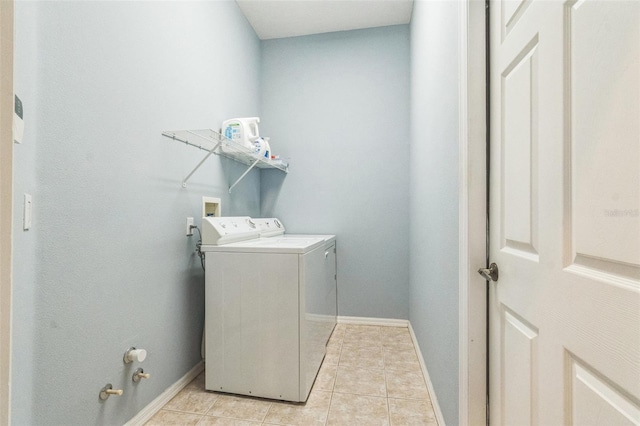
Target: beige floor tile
406 384
313 412
362 334
363 329
241 408
223 421
350 410
340 327
411 412
192 400
333 355
396 340
326 377
338 334
401 353
361 343
360 381
361 357
197 384
334 344
362 340
404 359
166 417
394 331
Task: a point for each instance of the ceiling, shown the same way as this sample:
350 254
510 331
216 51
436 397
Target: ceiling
290 18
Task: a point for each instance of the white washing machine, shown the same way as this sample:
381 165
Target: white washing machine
266 317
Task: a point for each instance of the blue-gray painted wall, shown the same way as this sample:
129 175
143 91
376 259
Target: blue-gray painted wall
337 105
107 264
433 303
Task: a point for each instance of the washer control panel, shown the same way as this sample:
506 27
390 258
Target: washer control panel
218 231
269 227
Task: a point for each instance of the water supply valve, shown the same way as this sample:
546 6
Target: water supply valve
108 390
139 374
133 354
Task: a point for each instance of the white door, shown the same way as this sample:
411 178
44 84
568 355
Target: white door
565 212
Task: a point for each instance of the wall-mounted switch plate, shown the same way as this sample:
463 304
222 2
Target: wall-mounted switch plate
189 223
27 212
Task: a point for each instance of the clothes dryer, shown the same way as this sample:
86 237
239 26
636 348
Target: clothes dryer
323 299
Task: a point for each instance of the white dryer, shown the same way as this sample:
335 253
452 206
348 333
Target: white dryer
273 227
262 304
322 299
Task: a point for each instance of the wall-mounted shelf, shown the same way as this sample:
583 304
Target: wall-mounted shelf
214 143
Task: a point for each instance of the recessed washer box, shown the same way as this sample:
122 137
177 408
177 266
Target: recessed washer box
211 207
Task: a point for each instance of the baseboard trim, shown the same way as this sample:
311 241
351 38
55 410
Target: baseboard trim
385 322
423 366
154 406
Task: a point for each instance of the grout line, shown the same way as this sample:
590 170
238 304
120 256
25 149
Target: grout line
326 421
266 413
335 378
339 357
386 387
387 400
212 405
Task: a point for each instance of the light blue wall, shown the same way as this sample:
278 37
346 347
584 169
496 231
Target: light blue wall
433 306
107 264
337 104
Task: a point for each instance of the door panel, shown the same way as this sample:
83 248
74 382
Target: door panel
511 13
520 353
565 212
519 145
593 401
604 203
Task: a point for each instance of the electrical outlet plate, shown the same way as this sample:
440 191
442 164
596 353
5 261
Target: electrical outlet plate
189 223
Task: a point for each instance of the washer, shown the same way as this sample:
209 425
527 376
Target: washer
267 319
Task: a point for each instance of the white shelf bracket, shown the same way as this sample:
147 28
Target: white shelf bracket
184 181
244 174
211 151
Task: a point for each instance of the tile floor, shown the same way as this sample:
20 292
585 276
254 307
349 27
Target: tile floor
370 376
